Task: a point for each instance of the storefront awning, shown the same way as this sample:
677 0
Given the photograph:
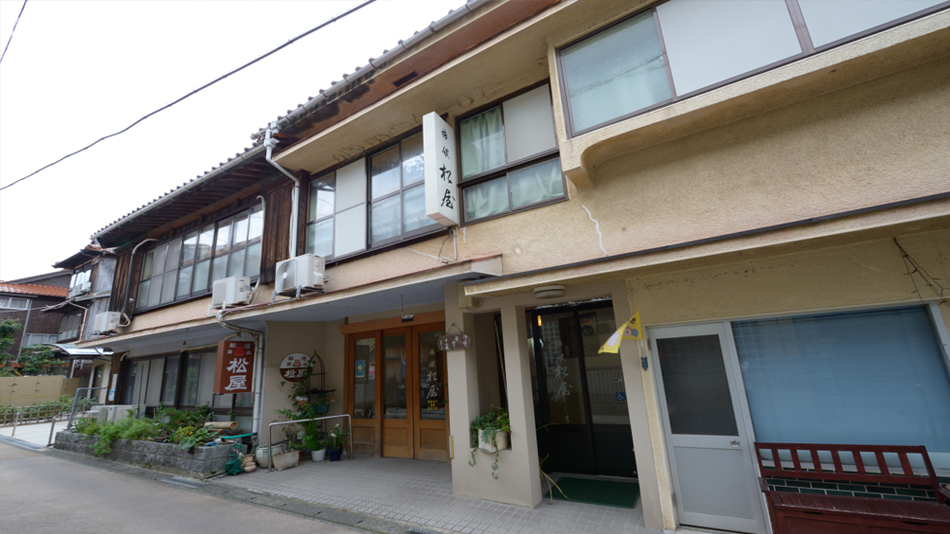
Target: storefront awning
72 352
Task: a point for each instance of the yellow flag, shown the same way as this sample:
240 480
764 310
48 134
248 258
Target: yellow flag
628 330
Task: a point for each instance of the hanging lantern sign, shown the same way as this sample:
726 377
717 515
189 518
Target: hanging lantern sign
452 341
295 367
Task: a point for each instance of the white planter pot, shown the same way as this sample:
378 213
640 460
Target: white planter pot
501 441
261 455
318 456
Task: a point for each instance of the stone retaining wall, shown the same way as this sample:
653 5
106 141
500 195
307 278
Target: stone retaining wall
202 462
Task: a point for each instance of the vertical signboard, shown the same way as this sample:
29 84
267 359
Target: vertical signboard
441 174
234 368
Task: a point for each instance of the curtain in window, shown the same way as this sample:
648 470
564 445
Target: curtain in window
870 378
486 199
536 184
483 143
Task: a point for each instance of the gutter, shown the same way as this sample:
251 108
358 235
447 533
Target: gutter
238 160
338 88
270 143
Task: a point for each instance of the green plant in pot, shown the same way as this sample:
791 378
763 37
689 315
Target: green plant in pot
490 434
316 442
335 442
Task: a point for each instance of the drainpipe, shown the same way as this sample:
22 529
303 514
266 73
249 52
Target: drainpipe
128 285
269 143
260 339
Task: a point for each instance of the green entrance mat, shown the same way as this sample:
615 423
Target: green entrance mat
596 491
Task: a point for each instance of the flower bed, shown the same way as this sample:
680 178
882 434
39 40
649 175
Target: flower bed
199 462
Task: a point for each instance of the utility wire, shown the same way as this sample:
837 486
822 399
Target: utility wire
205 86
12 31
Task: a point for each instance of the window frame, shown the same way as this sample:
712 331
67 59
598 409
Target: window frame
181 237
6 303
323 178
801 31
509 167
79 316
400 192
28 339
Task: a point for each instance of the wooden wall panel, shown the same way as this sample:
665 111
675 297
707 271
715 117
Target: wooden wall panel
275 246
120 281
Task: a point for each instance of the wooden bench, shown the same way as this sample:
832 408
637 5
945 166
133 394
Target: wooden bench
877 469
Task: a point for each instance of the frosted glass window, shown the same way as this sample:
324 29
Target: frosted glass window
154 392
384 171
320 238
529 124
384 219
536 184
483 143
615 73
831 20
413 162
708 42
349 232
875 378
206 379
414 209
486 198
351 185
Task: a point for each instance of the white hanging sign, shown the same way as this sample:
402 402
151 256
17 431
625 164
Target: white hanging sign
441 170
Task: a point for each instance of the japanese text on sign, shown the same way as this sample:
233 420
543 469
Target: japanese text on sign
440 170
234 368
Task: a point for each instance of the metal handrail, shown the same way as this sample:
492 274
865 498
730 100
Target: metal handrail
270 451
72 413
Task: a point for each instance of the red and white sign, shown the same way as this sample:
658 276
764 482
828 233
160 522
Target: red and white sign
295 367
234 368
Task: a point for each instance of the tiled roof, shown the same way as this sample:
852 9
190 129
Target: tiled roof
33 289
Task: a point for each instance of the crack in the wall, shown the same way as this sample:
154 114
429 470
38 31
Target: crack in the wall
600 236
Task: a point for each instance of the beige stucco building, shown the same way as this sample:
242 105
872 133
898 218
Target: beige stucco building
775 204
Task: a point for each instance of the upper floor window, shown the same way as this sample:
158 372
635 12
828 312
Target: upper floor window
80 282
397 196
187 265
69 327
14 303
682 47
508 157
371 202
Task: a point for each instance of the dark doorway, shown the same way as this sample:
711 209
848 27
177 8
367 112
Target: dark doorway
579 396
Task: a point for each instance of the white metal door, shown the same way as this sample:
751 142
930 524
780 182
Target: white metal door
710 451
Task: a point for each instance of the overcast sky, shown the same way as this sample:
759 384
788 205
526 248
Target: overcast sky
77 71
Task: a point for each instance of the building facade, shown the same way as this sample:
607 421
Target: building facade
766 186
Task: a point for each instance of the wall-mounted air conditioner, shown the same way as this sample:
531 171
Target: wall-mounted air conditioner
85 287
230 291
305 272
106 323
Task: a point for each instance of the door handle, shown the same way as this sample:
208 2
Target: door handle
734 443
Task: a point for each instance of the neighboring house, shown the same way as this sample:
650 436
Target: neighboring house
91 273
766 183
24 300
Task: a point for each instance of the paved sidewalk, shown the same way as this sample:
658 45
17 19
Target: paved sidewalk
420 492
34 433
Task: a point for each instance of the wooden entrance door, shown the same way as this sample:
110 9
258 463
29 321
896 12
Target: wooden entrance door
397 392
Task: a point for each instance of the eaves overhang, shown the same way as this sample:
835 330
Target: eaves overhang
420 288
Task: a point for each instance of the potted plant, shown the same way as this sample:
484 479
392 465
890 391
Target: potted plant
490 434
336 441
317 445
490 430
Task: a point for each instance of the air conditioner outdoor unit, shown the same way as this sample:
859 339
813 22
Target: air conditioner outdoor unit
305 272
231 290
85 287
105 323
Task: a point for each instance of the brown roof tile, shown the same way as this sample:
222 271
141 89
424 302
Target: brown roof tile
33 289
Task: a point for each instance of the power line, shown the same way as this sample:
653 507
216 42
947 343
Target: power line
12 32
203 87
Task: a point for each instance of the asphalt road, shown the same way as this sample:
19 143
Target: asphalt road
40 493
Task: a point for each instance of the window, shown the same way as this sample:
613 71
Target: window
32 340
321 208
508 158
187 265
78 280
397 194
14 303
69 328
681 47
874 377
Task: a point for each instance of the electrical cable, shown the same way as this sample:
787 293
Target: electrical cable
205 86
12 32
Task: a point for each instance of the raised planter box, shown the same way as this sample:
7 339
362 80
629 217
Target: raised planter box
203 462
